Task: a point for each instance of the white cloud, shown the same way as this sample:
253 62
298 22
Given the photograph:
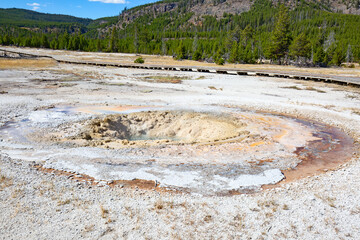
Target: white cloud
110 1
35 6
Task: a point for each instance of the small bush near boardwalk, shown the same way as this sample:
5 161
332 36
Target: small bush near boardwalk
139 60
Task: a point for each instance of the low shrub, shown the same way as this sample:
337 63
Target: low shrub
139 60
220 61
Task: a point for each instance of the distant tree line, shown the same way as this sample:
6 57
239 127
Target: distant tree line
304 35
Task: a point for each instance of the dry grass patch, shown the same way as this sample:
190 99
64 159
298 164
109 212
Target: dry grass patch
159 205
238 221
307 88
67 84
326 199
104 212
270 206
352 96
70 79
286 207
5 182
63 202
314 89
113 84
26 63
18 192
81 75
292 87
214 88
355 211
89 228
356 112
208 218
164 79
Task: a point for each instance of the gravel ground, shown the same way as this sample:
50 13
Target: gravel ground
37 205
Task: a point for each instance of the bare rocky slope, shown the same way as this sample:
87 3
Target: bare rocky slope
219 7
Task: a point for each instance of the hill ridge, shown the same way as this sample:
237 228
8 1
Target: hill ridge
18 16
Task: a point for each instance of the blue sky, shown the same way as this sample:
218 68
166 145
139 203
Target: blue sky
79 8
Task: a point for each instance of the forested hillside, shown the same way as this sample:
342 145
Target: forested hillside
28 18
301 32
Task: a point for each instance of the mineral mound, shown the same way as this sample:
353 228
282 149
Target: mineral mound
156 127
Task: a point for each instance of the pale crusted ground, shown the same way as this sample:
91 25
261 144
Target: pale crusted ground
34 205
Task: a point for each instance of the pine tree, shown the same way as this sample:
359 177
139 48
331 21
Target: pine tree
163 46
27 42
195 43
300 47
54 44
136 41
231 37
241 53
319 56
181 51
6 40
338 56
234 57
98 45
35 42
112 40
280 39
84 44
248 54
44 41
349 54
197 55
247 35
64 43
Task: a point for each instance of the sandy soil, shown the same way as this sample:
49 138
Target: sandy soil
49 205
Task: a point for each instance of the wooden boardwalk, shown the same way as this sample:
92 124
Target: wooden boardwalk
341 80
12 54
350 81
